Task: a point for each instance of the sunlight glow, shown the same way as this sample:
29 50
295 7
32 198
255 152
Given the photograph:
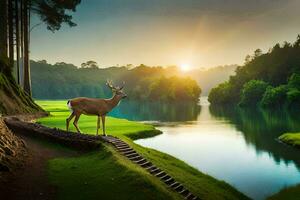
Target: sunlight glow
185 67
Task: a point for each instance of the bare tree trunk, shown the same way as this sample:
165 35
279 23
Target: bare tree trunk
17 24
22 43
27 82
3 35
11 33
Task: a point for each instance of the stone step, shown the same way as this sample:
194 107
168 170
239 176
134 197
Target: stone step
128 151
119 143
140 160
178 188
113 140
154 171
135 158
174 185
159 174
132 155
168 180
164 176
189 196
151 167
144 165
184 192
124 148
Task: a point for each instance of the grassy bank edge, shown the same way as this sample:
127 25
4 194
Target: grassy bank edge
292 139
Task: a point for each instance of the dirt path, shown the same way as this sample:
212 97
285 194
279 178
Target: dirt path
30 181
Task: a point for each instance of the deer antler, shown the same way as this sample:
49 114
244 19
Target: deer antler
120 88
110 85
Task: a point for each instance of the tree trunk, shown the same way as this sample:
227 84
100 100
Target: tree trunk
17 24
3 35
22 43
11 33
27 82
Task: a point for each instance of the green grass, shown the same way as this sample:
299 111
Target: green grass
104 175
98 167
291 139
290 193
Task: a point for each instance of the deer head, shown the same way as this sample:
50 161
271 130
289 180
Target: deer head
118 91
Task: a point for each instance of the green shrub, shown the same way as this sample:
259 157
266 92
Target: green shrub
253 92
294 81
220 94
293 96
274 96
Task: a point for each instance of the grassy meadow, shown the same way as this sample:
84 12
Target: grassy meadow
107 174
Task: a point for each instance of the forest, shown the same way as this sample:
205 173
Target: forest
267 80
63 80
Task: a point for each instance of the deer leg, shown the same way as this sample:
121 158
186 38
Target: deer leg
75 122
103 124
98 124
68 120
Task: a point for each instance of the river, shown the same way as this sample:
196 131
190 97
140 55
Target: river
231 144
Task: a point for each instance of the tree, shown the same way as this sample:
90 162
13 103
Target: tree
274 96
3 36
252 92
90 64
15 14
257 53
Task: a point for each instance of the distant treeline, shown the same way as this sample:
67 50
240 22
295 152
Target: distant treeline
269 79
63 81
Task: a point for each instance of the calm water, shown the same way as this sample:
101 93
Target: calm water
237 146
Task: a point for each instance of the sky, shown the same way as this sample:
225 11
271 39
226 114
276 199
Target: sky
194 33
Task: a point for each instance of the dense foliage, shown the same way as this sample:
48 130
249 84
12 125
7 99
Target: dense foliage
62 81
269 79
252 92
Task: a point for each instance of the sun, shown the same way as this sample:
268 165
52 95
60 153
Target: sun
185 67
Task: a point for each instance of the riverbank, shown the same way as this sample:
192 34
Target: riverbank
200 184
292 139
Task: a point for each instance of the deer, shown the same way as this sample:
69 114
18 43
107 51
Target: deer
94 106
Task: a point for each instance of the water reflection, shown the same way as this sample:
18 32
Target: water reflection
261 129
156 111
238 146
